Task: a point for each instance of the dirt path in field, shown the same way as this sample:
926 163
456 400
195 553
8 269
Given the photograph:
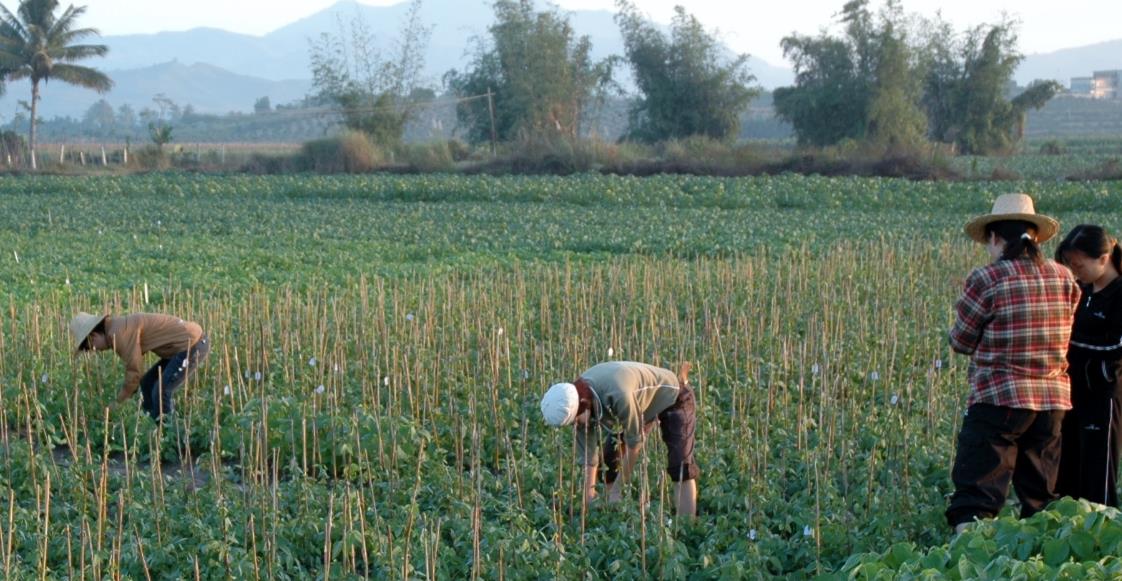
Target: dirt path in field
193 475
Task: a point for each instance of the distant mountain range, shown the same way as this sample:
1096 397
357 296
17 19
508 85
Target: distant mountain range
1064 64
207 88
216 71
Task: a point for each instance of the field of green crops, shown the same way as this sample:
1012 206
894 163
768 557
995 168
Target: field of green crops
380 345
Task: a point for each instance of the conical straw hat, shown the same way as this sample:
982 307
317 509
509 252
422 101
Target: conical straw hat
82 325
1013 207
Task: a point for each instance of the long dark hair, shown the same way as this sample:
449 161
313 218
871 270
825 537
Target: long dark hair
1093 241
1019 237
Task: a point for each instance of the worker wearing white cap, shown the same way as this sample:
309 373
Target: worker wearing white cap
619 402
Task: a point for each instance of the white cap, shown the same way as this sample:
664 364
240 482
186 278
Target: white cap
559 404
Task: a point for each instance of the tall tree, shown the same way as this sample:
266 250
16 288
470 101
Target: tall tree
895 119
967 88
100 119
538 74
372 87
834 80
687 85
38 45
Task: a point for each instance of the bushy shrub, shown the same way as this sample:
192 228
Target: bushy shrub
705 155
267 164
152 157
1053 147
1004 174
460 151
430 157
349 152
559 156
13 147
1109 170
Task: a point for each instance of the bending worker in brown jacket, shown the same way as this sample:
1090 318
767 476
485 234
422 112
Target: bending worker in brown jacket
180 344
629 397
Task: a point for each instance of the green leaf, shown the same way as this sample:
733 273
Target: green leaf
1056 551
1083 545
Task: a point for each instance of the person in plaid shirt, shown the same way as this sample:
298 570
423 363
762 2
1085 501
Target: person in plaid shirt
1014 320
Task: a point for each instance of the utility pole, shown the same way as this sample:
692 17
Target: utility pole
494 133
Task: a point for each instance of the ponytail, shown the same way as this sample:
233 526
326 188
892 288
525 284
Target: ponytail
1020 240
1116 257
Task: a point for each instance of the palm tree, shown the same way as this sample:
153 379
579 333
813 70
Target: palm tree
36 45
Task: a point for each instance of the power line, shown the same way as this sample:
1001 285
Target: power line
326 111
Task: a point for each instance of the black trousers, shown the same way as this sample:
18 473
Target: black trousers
160 382
1000 444
1092 436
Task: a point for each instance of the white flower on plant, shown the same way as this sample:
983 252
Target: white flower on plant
246 374
159 222
386 381
44 378
525 374
807 531
938 364
752 535
320 389
68 281
257 376
336 368
815 369
500 331
874 376
312 362
409 317
895 399
669 521
611 352
226 390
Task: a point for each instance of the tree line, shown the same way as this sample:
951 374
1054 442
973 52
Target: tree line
887 79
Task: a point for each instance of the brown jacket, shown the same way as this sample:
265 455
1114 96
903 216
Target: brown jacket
131 336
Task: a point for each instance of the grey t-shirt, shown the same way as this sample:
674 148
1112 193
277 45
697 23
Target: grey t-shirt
626 396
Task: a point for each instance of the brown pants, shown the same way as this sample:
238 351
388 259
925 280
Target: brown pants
677 424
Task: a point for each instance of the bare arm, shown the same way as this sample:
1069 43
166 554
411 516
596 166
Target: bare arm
589 484
627 465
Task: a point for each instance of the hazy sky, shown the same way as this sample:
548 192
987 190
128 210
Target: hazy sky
753 26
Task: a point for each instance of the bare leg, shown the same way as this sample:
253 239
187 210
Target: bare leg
687 498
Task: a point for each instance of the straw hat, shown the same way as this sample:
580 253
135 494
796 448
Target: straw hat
1013 207
560 404
82 325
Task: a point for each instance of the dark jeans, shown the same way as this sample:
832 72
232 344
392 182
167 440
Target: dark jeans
1092 436
998 444
167 375
677 424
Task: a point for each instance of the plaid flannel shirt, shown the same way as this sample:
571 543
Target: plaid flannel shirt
1015 318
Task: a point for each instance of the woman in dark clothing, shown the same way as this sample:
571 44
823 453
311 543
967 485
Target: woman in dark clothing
1092 430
